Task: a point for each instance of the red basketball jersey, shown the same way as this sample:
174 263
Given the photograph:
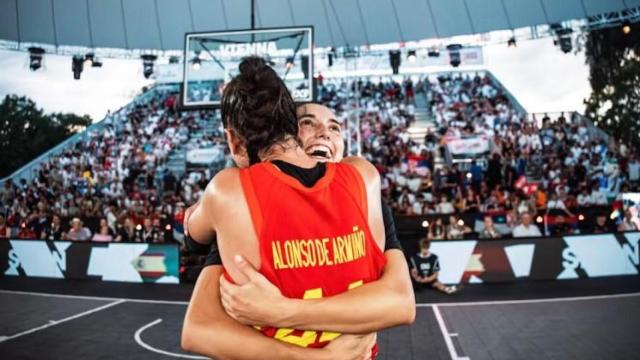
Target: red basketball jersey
314 242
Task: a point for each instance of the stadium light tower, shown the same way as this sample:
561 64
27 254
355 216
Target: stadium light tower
35 58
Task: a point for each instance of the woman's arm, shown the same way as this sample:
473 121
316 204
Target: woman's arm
381 304
195 222
207 330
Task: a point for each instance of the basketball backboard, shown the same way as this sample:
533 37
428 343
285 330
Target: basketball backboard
211 59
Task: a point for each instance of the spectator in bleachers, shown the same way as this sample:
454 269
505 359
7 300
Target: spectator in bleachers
602 225
597 196
456 229
103 235
77 232
4 229
560 227
53 231
125 231
445 206
628 223
489 231
634 169
110 218
437 230
526 227
584 198
556 205
147 233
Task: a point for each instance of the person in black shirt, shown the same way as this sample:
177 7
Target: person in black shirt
425 268
602 226
54 230
125 232
561 227
147 233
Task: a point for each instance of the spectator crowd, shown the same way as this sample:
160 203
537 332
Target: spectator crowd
115 185
537 165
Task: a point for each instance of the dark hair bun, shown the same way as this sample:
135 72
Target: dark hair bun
259 107
252 65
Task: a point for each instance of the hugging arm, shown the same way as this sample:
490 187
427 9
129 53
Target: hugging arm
377 305
209 331
380 304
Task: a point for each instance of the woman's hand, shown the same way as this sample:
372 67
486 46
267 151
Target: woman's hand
257 303
351 347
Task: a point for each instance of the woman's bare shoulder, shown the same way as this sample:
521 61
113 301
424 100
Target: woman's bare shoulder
223 187
364 167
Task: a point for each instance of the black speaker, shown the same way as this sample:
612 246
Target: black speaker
395 60
304 62
454 54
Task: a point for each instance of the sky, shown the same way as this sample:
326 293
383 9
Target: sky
539 75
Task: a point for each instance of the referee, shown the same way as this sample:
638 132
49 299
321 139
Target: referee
425 268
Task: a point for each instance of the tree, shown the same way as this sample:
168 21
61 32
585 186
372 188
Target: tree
614 61
26 132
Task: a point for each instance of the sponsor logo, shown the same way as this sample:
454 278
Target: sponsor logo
37 258
599 255
300 94
258 48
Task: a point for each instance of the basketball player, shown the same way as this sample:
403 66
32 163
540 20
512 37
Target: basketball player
258 94
259 302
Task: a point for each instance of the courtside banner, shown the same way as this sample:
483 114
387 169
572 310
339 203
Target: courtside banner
569 257
138 263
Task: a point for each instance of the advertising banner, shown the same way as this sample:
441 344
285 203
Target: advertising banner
569 257
468 147
157 263
205 156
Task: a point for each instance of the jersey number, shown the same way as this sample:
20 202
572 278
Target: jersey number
309 336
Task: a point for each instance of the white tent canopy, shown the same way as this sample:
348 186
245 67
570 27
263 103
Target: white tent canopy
161 24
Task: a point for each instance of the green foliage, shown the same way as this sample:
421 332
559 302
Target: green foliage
614 61
26 132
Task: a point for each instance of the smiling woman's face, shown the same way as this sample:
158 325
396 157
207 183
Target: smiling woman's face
320 132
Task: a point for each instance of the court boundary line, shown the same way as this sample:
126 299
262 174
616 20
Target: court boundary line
531 301
137 336
98 298
63 320
419 305
447 335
